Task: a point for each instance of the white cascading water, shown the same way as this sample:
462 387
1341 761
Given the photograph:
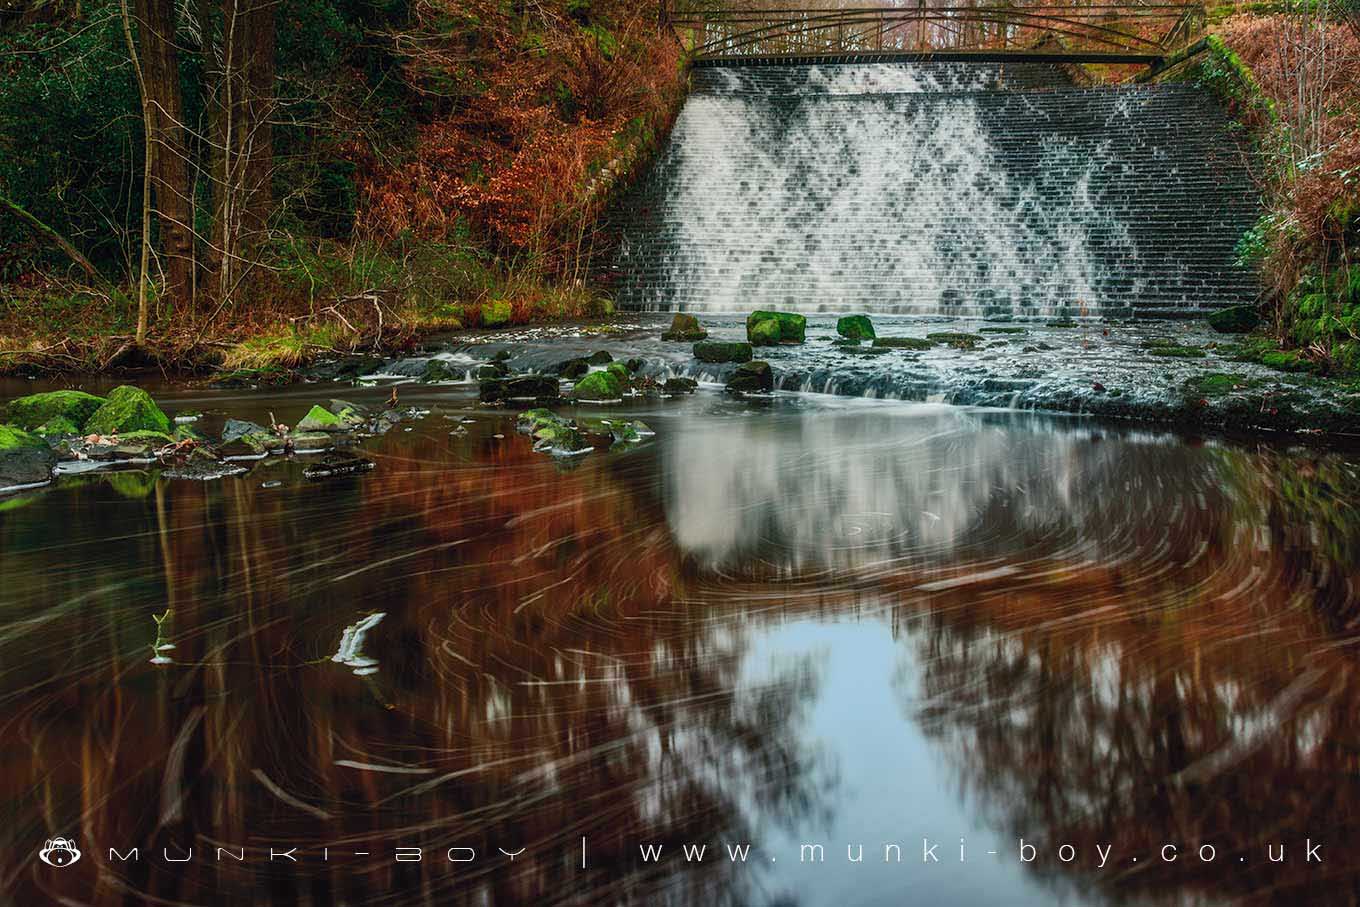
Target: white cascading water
932 190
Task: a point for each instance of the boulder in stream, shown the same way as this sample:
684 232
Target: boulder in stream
25 458
792 327
722 351
752 378
572 369
127 409
54 409
598 387
685 329
676 386
319 418
855 327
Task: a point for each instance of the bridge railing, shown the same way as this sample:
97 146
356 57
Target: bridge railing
1147 30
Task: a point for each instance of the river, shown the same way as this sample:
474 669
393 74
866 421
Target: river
1000 657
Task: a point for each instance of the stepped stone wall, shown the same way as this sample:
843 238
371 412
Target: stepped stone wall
955 189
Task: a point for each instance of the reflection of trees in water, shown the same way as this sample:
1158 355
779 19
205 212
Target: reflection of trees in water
914 489
1209 704
538 681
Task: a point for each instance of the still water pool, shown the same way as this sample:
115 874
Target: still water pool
797 651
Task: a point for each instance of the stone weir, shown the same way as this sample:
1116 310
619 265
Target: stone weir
941 189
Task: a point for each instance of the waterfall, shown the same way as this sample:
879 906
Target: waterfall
945 189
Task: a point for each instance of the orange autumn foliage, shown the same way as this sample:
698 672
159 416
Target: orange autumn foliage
526 106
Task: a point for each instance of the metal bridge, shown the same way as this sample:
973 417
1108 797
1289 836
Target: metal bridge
1142 34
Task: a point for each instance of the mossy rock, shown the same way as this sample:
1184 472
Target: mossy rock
855 327
956 338
1177 352
598 386
1001 330
58 427
36 410
764 333
600 357
437 370
1235 319
531 420
127 409
792 326
620 371
496 313
1214 384
903 343
1285 361
25 458
722 351
685 329
677 386
319 418
752 378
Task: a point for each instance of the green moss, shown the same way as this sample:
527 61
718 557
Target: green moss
75 407
764 333
1216 384
1177 352
14 438
496 313
1285 361
855 327
792 326
57 427
319 418
597 386
619 370
128 409
1001 330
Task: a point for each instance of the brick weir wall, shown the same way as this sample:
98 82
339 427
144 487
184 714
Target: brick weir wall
951 189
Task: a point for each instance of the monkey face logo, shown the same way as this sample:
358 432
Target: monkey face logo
59 852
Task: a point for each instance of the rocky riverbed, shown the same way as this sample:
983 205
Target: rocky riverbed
1186 374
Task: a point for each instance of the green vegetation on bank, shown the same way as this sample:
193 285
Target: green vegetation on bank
250 185
1300 106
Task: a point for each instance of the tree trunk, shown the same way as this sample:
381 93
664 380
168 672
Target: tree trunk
170 167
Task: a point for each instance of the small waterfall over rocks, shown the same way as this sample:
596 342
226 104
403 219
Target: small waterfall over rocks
961 190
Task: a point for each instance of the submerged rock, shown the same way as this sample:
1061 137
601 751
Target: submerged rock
792 327
903 343
855 327
685 329
201 465
437 370
531 387
127 409
956 339
572 369
722 351
752 378
60 408
334 466
25 458
598 387
1235 319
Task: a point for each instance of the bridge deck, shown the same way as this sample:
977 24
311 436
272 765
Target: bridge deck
918 56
